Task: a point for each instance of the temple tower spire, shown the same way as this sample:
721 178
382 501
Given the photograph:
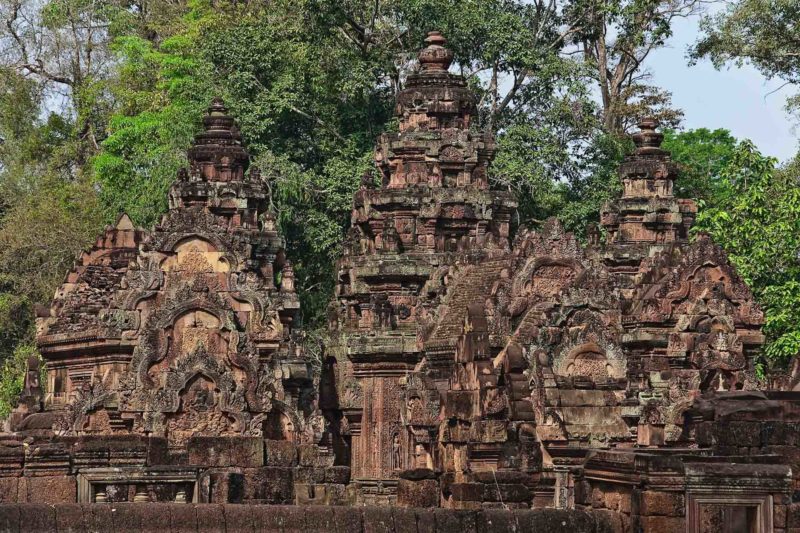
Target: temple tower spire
432 209
647 218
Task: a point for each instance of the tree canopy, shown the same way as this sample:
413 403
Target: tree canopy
100 99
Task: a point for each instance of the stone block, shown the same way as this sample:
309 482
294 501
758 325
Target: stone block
9 517
415 474
455 521
69 517
182 517
779 515
337 474
128 516
238 518
242 452
127 450
778 432
460 404
266 520
210 518
117 450
157 451
8 489
347 519
272 485
319 518
506 492
222 486
405 521
497 520
338 495
12 459
378 520
502 476
791 454
793 515
319 494
52 489
426 520
290 517
597 500
494 506
573 521
615 500
472 492
662 524
421 493
662 503
704 434
610 521
650 435
466 505
312 455
583 493
308 474
99 517
155 518
738 433
37 517
280 453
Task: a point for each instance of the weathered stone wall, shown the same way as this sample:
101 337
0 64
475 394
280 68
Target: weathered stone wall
624 508
224 470
187 517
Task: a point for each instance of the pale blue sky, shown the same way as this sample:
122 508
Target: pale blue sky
736 99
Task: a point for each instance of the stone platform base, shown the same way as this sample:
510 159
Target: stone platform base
284 518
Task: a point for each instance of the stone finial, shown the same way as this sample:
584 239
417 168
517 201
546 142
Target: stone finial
287 277
435 57
647 139
217 107
217 152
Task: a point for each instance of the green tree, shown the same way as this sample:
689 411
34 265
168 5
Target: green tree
702 155
615 38
12 377
312 84
755 217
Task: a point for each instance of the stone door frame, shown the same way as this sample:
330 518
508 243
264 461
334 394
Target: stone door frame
762 503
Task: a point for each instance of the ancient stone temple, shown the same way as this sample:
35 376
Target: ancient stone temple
433 205
188 329
472 367
184 332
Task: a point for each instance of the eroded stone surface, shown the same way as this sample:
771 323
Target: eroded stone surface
466 368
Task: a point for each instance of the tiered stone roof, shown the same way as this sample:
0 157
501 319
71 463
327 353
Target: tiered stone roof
462 369
188 328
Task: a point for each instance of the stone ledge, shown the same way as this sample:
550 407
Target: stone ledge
328 519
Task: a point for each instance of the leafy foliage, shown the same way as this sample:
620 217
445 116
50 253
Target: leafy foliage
615 38
12 377
100 99
702 155
755 216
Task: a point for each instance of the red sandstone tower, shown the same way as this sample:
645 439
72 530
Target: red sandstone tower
182 330
433 205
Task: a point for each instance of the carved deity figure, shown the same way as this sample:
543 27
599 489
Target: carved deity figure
396 452
32 387
382 311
